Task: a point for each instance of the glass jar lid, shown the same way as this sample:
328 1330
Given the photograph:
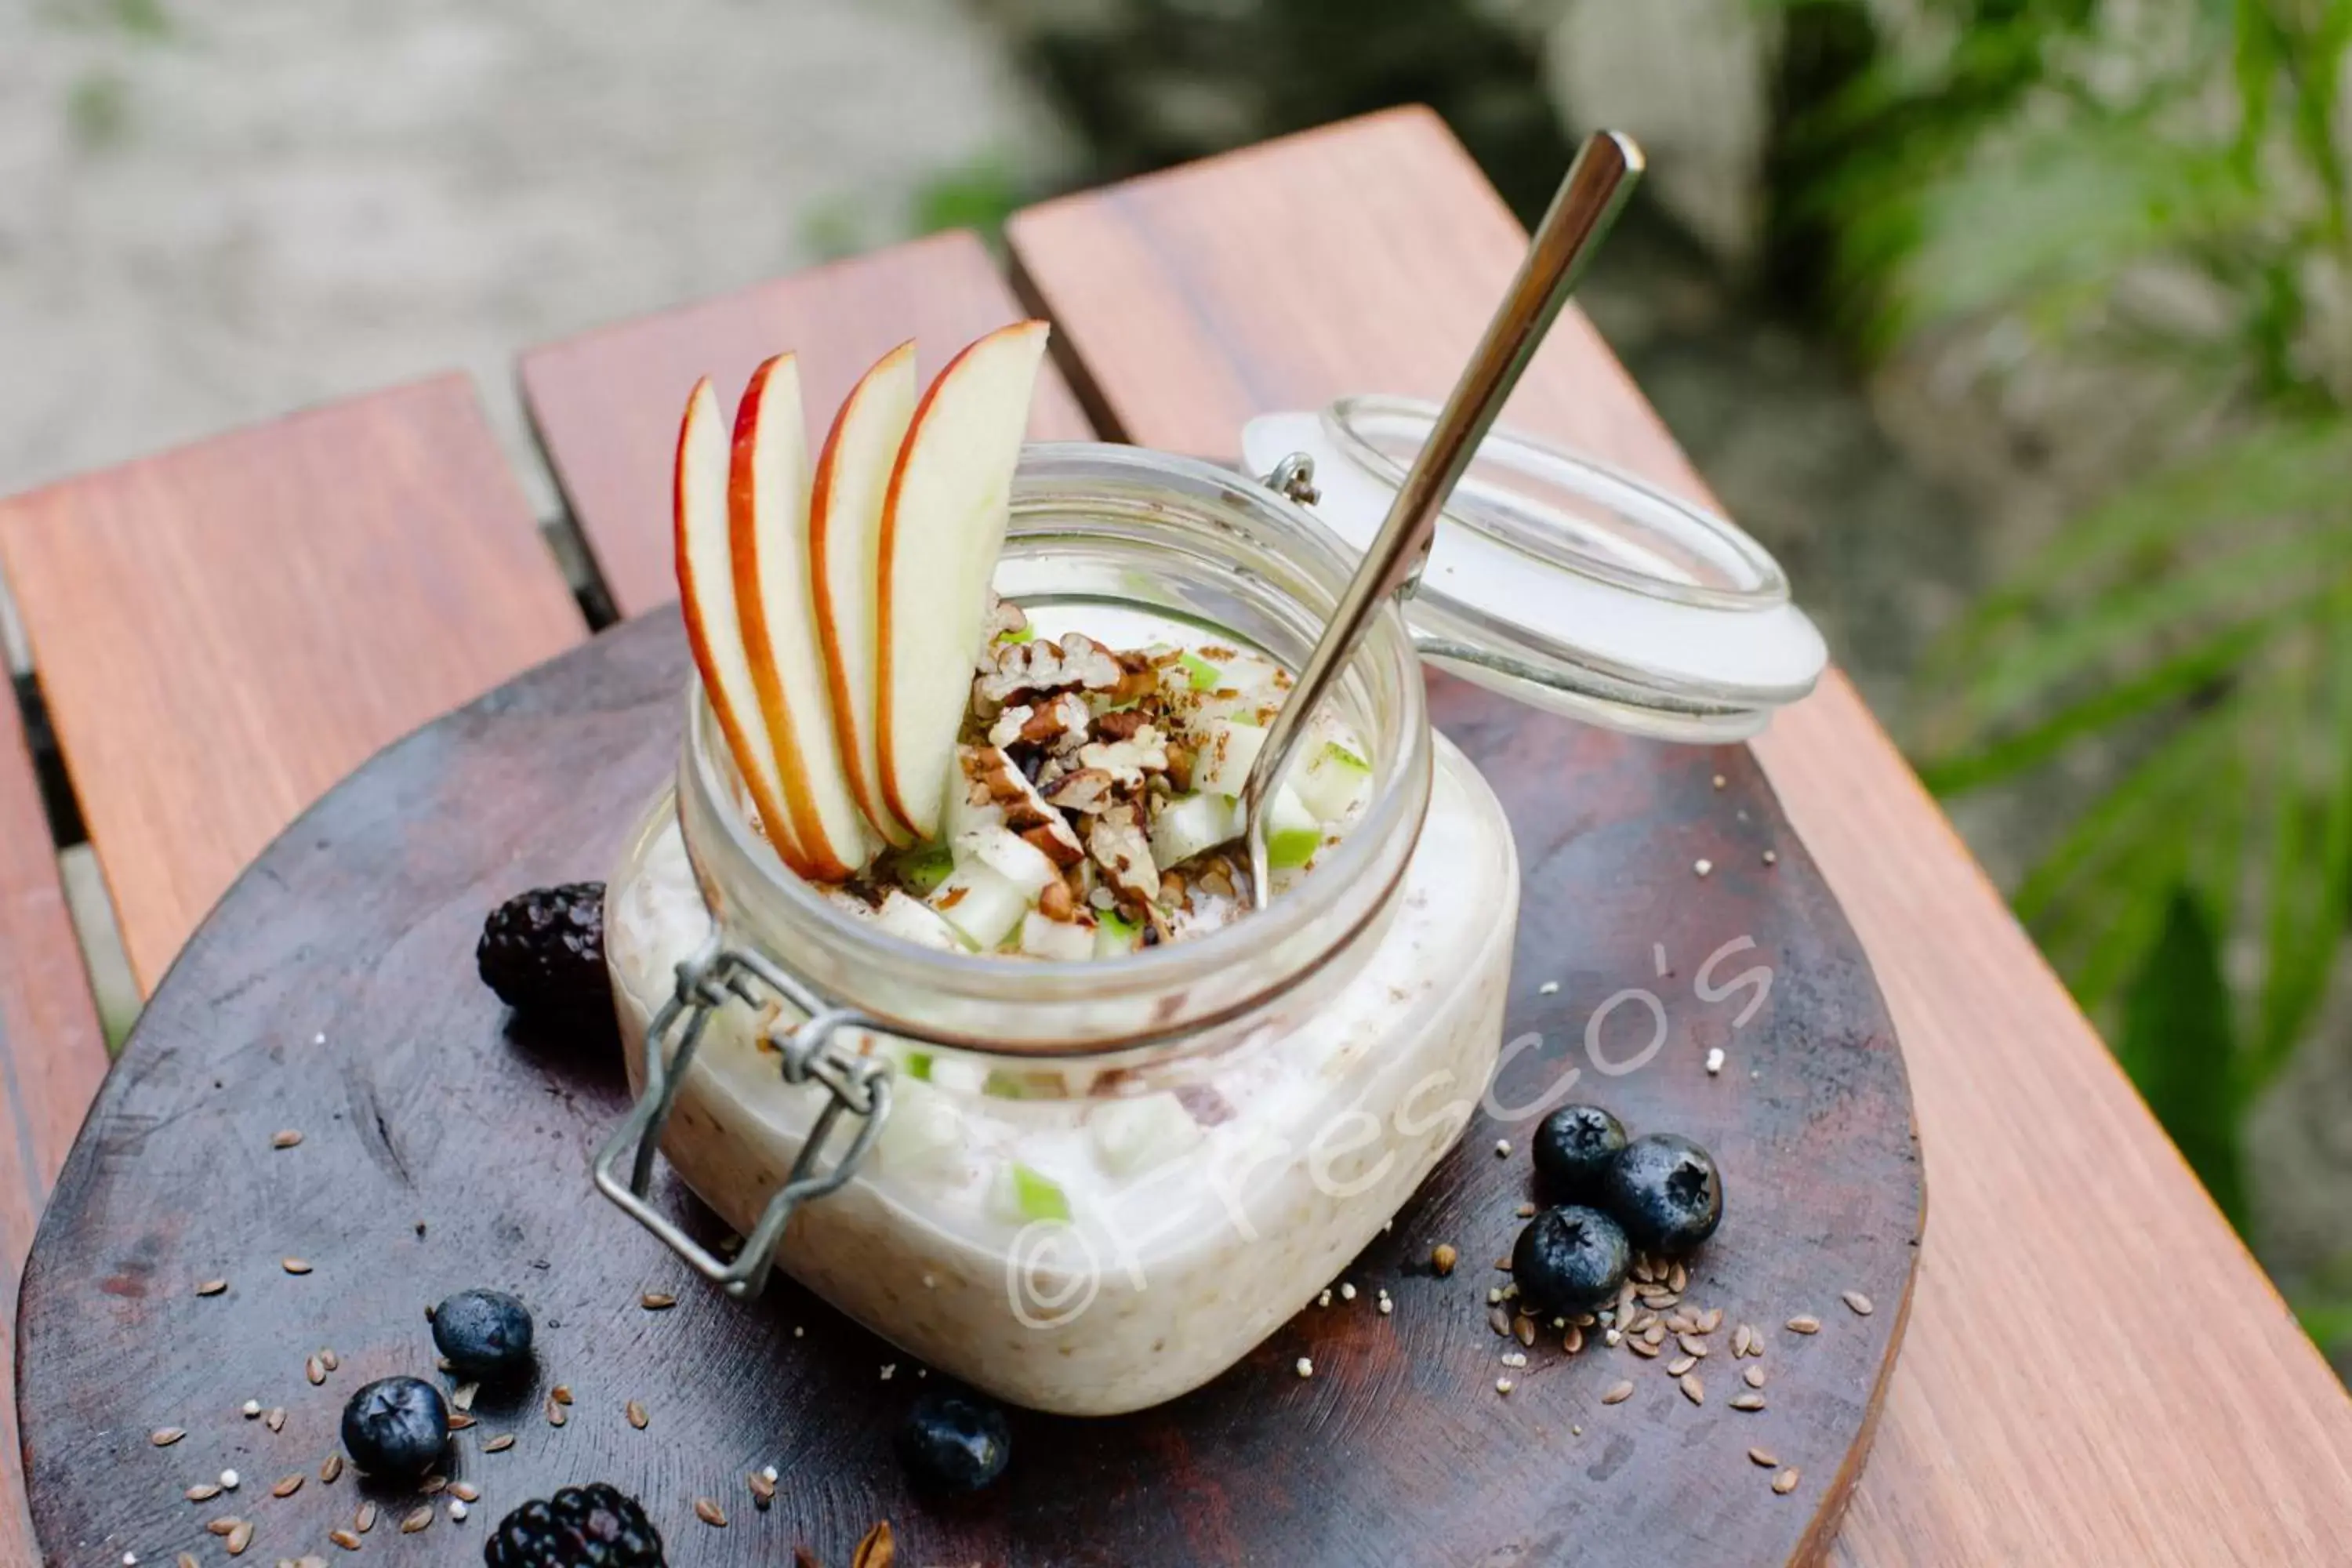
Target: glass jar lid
1565 583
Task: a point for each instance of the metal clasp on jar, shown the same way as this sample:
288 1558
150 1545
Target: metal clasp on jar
857 1085
1294 478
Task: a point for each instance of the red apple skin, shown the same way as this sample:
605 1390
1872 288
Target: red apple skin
773 818
891 794
824 862
848 722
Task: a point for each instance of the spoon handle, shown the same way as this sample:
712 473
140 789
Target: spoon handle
1579 217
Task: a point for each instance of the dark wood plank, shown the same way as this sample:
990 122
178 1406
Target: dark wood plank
332 992
51 1053
1364 257
224 631
606 404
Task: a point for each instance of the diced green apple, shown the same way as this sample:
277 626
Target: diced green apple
1228 751
922 1132
1188 824
1043 937
919 871
1333 779
904 917
1024 1192
1116 936
1293 832
1199 673
1134 1135
982 904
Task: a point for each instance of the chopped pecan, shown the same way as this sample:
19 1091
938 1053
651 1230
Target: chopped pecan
1060 845
1005 619
1120 724
1084 792
1117 841
1127 761
1076 662
1055 903
1025 809
1007 728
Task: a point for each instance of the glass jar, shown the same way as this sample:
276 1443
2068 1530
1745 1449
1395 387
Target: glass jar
1098 1185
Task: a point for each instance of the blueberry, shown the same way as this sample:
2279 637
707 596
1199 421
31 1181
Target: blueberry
1665 1191
954 1443
396 1426
1574 1147
485 1333
1570 1259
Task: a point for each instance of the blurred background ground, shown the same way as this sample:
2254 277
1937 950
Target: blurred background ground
213 214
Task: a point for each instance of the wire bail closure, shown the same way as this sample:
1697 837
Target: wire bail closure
857 1085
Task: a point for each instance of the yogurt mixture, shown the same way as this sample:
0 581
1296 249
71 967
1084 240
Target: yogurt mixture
1088 1240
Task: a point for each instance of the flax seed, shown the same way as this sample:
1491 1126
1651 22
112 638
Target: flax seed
462 1397
294 1265
1692 1389
555 1416
1655 1334
365 1519
344 1538
1764 1458
239 1538
164 1437
276 1420
1574 1342
1681 1324
1678 1278
224 1524
656 1300
1618 1393
1643 1348
459 1421
1525 1328
1742 1339
710 1513
315 1370
500 1444
1859 1302
289 1486
1710 1320
1747 1402
433 1486
187 1559
561 1393
1786 1481
637 1417
285 1140
1498 1319
1692 1344
332 1471
1807 1324
764 1491
212 1287
1681 1364
465 1492
203 1492
330 1361
416 1519
1753 1376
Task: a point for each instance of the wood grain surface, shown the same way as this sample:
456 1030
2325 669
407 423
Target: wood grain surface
606 404
2098 1373
51 1053
224 630
332 993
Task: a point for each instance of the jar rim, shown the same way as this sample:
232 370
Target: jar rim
1143 495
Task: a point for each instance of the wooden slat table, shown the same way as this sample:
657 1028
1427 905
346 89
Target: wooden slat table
2096 1372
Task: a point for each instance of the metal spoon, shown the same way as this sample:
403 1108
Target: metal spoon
1590 198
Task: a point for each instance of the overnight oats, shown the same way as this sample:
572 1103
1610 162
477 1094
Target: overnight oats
964 761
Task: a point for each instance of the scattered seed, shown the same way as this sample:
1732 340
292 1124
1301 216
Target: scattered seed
1525 1328
1681 1364
1859 1302
656 1300
239 1538
1786 1481
459 1421
1498 1319
1387 1306
1643 1324
462 1397
1659 1298
1574 1342
637 1417
1678 1279
1692 1389
164 1437
1753 1377
289 1486
1643 1348
330 1361
764 1491
344 1538
1524 1211
456 1509
1692 1344
364 1520
1618 1393
315 1370
204 1491
433 1486
1441 1258
500 1444
1503 1386
1656 1334
465 1492
416 1519
187 1559
1763 1458
212 1287
1613 1337
1515 1359
1743 1339
1804 1325
1306 1368
555 1416
1324 1299
276 1420
285 1140
224 1524
561 1393
1747 1401
294 1265
228 1480
1708 1321
1548 988
710 1513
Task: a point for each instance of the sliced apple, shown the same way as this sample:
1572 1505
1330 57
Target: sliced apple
943 522
714 629
852 478
768 505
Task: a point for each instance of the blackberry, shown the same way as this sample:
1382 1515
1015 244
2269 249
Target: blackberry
544 952
579 1527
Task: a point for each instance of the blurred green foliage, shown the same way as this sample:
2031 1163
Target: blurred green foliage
2157 196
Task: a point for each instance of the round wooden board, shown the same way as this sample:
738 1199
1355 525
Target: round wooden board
332 993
